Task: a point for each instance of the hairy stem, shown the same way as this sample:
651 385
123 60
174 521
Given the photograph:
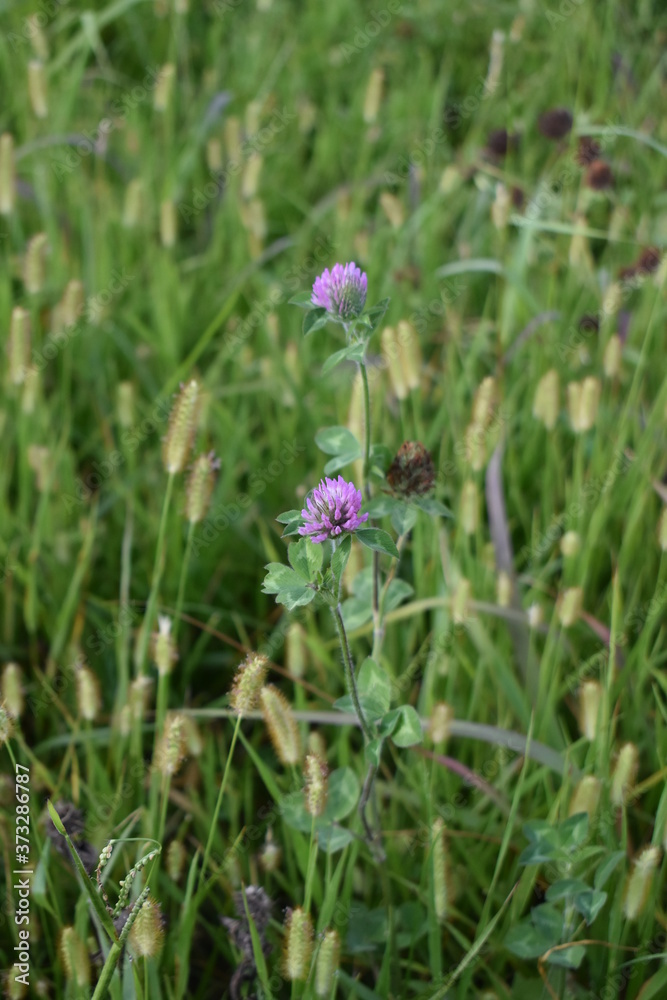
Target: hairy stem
350 679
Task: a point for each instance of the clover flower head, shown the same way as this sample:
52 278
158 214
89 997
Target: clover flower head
341 291
331 509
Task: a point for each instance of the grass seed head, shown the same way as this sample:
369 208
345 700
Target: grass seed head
298 947
281 724
182 427
248 682
640 882
328 959
624 774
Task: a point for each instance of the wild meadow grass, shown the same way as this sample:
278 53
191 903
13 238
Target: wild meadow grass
494 825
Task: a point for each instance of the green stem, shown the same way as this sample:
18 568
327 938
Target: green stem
310 871
367 430
141 652
182 581
101 990
349 672
218 804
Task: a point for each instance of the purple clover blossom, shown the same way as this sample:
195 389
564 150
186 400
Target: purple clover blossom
331 509
341 291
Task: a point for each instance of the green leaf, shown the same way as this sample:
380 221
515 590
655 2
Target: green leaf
574 830
565 888
371 708
380 458
340 461
549 920
343 794
388 724
373 683
373 751
337 441
356 613
314 320
607 868
303 300
287 585
570 958
288 516
306 558
375 538
589 903
374 316
397 592
432 506
340 557
382 506
353 352
408 731
526 941
403 519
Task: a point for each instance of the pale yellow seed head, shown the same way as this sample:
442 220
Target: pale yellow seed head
200 487
586 797
175 860
168 223
34 264
281 724
484 401
613 299
133 206
613 356
298 948
164 87
570 543
440 722
461 602
546 403
373 96
624 774
441 890
295 649
504 589
214 155
7 174
662 530
172 746
501 207
75 959
392 206
250 176
182 427
146 936
73 302
232 135
37 89
316 774
12 689
640 882
535 615
469 507
391 353
409 353
125 404
590 700
38 40
164 650
248 682
88 697
18 345
271 854
328 959
570 605
7 727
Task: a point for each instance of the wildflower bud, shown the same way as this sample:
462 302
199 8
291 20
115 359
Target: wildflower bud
570 543
6 725
441 890
298 947
163 87
662 530
373 96
483 403
88 698
133 204
590 699
461 602
569 606
546 403
182 427
250 177
535 615
440 723
7 174
175 860
393 209
37 38
501 207
475 446
624 775
328 958
125 404
75 959
640 881
271 855
164 651
232 132
72 305
469 507
37 88
168 223
281 724
613 355
392 357
410 353
34 264
12 690
316 774
171 749
586 797
411 472
504 589
295 649
147 932
248 682
200 487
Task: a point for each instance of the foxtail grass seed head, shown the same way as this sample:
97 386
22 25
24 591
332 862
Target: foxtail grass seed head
570 605
316 774
295 649
590 699
7 174
271 855
461 602
624 774
613 356
133 205
250 176
440 722
88 697
200 487
373 96
613 299
469 507
662 530
248 682
146 936
316 744
182 427
73 303
475 446
139 696
411 473
640 881
34 264
40 461
326 967
18 345
38 40
586 797
232 135
7 726
392 357
441 892
164 650
74 955
546 404
485 398
214 155
171 749
410 353
535 615
570 543
281 724
392 206
168 223
37 89
501 207
175 860
496 57
503 589
125 404
164 87
12 690
298 948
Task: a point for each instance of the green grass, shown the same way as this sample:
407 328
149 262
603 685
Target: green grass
83 485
